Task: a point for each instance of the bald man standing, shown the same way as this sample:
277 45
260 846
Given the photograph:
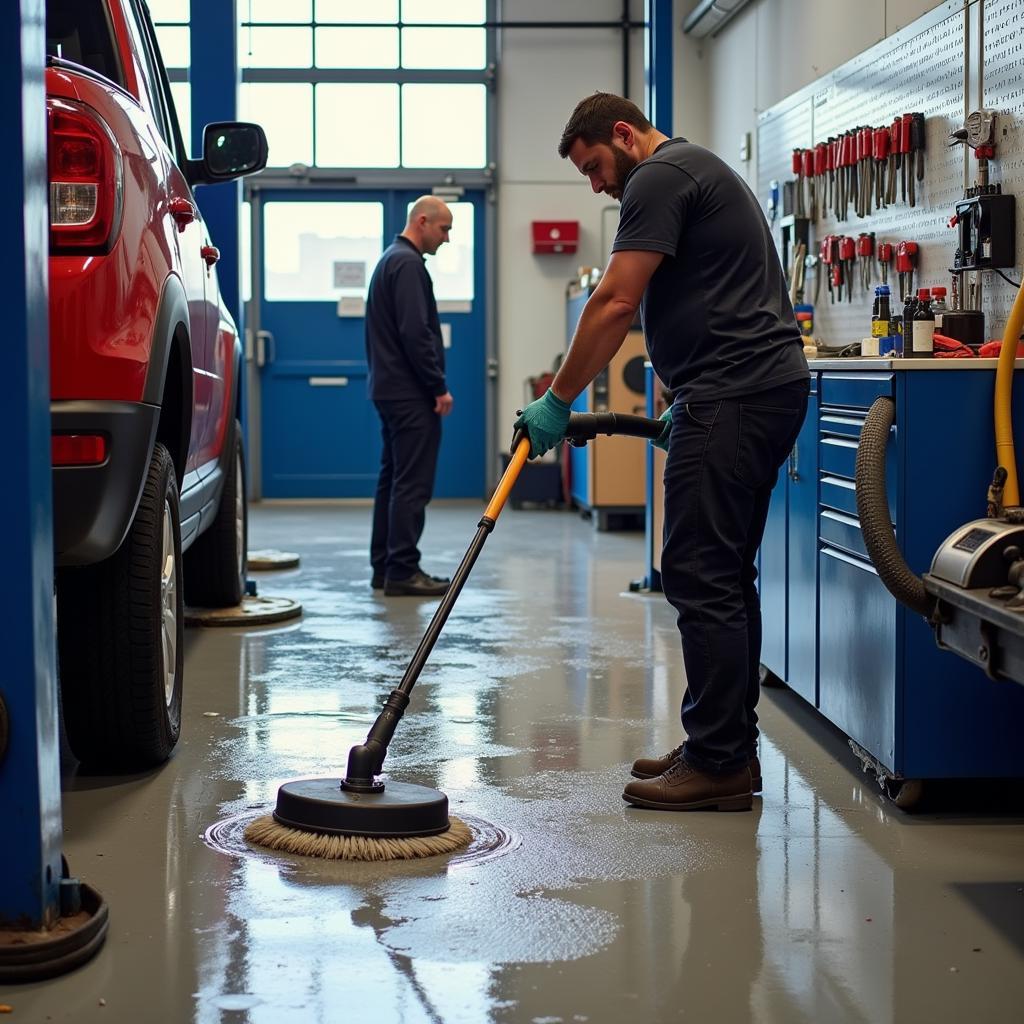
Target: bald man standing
407 385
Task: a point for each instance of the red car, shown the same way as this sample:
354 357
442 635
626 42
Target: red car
145 370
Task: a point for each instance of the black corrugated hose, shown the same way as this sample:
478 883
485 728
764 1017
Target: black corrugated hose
873 509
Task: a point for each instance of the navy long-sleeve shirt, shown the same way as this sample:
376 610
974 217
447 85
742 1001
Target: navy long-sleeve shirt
403 334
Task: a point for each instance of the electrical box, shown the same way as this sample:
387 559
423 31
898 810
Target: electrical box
987 231
555 236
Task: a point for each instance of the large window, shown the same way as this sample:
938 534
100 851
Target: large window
351 83
320 251
171 21
346 83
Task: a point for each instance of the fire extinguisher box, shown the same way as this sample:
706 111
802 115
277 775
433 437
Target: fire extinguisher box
555 236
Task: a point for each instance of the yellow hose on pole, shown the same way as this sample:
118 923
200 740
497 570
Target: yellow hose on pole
1005 456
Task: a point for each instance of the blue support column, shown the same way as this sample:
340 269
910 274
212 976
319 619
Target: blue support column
213 79
658 70
30 867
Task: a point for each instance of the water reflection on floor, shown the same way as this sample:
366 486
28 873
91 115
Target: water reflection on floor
825 903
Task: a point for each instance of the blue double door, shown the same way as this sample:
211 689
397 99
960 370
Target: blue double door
320 434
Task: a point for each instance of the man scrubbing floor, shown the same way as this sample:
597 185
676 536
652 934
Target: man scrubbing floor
694 252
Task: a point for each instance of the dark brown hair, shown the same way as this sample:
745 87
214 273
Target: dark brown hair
594 117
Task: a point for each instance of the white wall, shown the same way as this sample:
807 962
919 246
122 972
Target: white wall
542 76
771 49
774 47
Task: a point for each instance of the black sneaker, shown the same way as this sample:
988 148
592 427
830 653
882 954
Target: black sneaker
419 584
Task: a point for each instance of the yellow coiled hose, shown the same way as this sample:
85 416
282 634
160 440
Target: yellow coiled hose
1005 456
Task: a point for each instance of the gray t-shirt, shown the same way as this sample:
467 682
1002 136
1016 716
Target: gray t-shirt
716 313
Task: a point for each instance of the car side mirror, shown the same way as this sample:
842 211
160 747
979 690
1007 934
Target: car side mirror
231 149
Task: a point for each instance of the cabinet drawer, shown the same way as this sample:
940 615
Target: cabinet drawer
854 390
857 637
835 492
838 456
838 424
843 531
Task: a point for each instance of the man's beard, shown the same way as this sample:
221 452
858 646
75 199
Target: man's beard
624 163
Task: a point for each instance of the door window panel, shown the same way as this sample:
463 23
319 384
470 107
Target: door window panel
278 47
174 11
277 10
426 107
181 93
320 252
357 125
285 110
173 41
245 249
451 267
356 11
443 12
357 47
463 48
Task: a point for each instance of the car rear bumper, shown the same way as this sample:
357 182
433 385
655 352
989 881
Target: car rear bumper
93 505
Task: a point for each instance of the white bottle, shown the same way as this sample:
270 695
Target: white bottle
939 307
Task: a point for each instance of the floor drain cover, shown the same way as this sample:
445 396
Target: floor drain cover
271 558
253 611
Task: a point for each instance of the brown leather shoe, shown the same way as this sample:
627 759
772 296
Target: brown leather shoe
419 584
683 788
651 767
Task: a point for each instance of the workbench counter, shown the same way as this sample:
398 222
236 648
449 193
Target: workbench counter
884 363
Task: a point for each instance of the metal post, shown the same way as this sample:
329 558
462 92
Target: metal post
30 866
213 79
658 71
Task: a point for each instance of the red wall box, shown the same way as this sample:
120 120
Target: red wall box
555 236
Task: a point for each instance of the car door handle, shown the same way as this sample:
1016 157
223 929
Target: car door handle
210 254
183 211
328 382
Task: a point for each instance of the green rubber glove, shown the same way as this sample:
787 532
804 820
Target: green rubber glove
662 441
546 421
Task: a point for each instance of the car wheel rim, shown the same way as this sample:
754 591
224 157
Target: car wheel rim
169 604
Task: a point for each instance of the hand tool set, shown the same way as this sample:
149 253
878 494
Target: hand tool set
860 168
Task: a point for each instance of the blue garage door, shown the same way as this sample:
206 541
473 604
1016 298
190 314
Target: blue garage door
320 432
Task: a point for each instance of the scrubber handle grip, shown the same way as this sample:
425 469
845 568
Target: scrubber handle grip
585 426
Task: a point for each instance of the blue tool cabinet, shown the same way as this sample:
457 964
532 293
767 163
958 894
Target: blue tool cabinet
831 629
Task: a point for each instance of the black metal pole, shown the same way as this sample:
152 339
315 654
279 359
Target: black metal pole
625 48
366 759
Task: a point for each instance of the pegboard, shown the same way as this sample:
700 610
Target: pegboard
1003 90
921 68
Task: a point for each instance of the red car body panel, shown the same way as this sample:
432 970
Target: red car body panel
105 306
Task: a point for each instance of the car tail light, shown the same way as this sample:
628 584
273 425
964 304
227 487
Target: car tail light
86 178
78 449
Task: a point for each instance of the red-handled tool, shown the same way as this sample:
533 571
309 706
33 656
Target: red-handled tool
865 256
807 157
884 259
848 256
798 172
905 170
880 148
906 261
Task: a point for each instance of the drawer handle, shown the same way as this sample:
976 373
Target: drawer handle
328 382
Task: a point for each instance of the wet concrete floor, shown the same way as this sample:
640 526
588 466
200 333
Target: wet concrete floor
825 903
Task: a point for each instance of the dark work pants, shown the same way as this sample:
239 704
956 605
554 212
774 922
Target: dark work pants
411 435
723 461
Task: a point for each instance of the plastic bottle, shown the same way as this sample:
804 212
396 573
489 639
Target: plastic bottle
939 307
880 312
922 339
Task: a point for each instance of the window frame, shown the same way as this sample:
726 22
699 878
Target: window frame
399 76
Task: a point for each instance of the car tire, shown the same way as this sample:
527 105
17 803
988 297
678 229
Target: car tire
216 564
120 637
